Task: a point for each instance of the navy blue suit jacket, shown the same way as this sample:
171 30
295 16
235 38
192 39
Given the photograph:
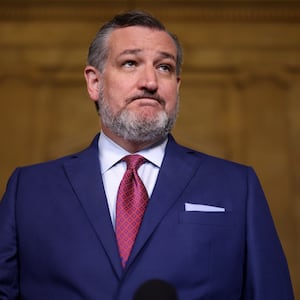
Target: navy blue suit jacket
57 241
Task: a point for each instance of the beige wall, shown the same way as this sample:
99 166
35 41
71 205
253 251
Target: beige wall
239 98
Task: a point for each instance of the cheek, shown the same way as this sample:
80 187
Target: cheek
117 89
171 98
112 94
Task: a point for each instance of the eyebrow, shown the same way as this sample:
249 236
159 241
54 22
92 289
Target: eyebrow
137 51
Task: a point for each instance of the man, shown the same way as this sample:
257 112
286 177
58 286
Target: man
206 230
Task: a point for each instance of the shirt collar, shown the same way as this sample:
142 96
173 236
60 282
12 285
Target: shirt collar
110 153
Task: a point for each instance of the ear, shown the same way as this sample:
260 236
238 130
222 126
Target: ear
178 83
92 77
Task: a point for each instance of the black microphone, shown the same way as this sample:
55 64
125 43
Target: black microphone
155 289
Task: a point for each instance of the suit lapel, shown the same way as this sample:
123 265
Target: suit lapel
83 172
84 175
177 170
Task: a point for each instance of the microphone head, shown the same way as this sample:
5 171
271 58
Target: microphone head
155 289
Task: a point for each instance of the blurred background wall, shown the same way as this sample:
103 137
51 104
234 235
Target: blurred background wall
240 95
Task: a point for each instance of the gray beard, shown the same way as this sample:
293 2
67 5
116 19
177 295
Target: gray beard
135 128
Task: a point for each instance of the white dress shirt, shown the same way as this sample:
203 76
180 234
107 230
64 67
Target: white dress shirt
112 169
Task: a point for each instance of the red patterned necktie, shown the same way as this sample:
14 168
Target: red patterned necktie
132 200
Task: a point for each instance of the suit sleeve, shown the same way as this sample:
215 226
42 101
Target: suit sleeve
9 287
267 275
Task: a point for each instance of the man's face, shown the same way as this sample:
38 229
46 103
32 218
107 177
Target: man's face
139 85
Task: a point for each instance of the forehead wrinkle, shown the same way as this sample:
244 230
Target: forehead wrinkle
163 54
130 51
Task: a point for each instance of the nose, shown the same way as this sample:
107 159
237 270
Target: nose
148 79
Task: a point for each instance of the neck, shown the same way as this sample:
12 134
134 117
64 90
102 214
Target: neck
130 146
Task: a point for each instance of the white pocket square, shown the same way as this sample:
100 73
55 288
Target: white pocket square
202 207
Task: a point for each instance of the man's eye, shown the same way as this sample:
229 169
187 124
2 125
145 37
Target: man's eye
129 63
165 68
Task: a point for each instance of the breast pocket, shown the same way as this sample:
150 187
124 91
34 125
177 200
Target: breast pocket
206 218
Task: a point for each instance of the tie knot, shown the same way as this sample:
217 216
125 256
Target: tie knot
134 161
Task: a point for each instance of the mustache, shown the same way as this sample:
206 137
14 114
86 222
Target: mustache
148 95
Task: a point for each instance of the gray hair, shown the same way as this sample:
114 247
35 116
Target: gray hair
98 50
